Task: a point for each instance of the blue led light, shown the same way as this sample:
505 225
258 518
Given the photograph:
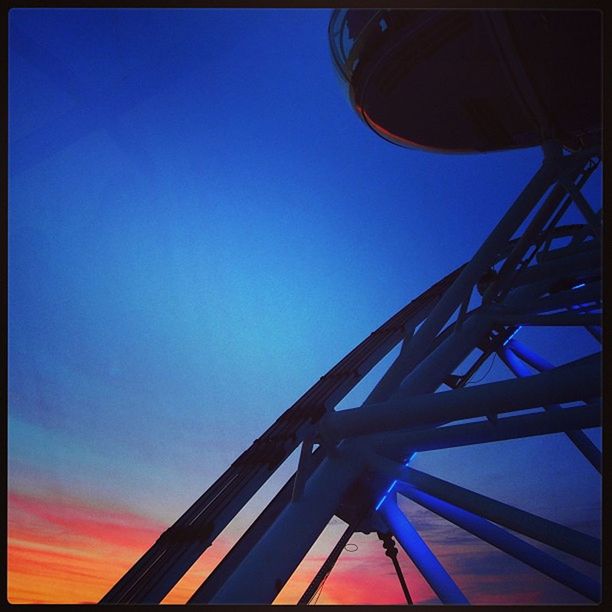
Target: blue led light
379 504
511 335
410 457
391 486
382 499
580 285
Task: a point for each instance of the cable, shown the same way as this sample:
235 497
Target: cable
320 577
391 552
320 589
473 382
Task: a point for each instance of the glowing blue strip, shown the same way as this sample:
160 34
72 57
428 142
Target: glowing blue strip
511 335
382 499
588 308
579 286
391 486
380 503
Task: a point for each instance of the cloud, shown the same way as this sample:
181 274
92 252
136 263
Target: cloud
59 552
67 550
59 549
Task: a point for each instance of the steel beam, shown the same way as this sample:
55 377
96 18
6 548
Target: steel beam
585 208
591 293
159 568
433 369
508 543
394 375
564 384
426 562
571 250
509 428
548 272
560 319
249 539
548 532
509 270
488 252
271 561
327 566
578 438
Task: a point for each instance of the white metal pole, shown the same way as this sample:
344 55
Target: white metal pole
269 564
430 373
563 384
522 426
489 251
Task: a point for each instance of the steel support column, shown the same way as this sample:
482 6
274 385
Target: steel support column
548 532
327 566
430 373
263 572
487 253
426 562
508 543
563 384
578 438
509 428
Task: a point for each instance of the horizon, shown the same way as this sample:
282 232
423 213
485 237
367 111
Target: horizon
200 227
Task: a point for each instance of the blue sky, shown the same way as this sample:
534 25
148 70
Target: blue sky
199 228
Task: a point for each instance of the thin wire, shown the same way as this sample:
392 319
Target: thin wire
320 589
473 382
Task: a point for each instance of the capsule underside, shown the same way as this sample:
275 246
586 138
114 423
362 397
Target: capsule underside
468 81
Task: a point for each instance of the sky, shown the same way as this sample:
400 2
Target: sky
200 227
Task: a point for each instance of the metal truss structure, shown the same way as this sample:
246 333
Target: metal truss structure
549 275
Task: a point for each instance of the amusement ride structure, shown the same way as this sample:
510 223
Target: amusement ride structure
448 81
